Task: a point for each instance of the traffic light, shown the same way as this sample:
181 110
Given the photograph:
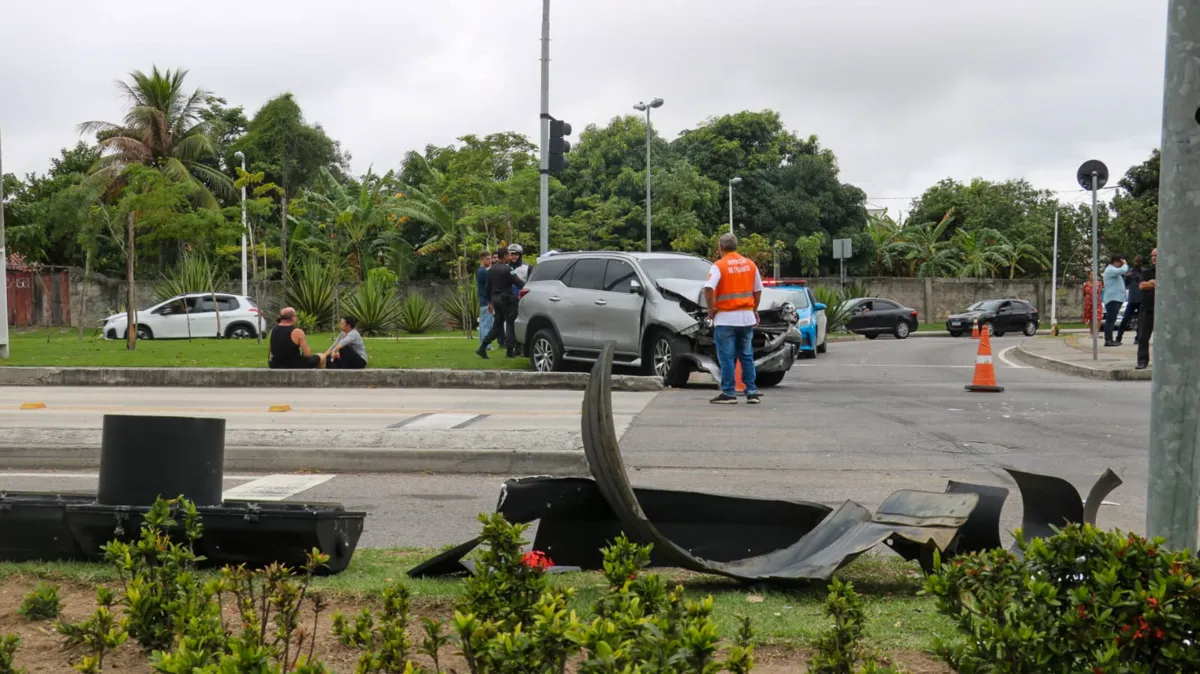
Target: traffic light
559 146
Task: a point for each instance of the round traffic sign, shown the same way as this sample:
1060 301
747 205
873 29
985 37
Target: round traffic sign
1084 174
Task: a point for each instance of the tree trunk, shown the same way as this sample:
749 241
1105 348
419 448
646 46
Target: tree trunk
508 230
87 279
130 304
283 242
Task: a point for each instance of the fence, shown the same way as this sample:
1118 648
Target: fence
38 298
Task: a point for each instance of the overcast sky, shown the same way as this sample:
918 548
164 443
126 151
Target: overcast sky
905 92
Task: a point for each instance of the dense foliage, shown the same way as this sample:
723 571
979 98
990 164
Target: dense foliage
170 164
1084 600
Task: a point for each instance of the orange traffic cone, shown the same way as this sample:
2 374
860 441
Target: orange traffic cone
975 329
739 385
985 374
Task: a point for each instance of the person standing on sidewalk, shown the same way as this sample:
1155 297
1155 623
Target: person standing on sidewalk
1133 295
502 303
732 293
1114 295
486 319
1146 320
1089 301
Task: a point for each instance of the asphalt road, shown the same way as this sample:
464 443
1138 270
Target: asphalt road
859 422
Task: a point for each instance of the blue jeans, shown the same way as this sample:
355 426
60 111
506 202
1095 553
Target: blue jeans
733 344
1111 309
485 322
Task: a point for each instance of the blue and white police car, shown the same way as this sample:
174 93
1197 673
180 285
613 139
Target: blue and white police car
811 325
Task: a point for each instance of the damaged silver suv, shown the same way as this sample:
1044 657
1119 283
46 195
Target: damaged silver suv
650 306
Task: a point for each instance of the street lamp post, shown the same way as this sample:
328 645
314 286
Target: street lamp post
240 155
646 107
732 181
3 274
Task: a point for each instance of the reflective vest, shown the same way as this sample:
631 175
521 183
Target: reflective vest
735 290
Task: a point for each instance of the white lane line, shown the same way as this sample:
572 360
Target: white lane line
440 421
91 476
274 487
1008 362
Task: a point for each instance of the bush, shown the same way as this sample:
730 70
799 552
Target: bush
311 291
840 649
374 304
460 302
1083 600
8 653
837 311
418 314
193 274
41 604
100 633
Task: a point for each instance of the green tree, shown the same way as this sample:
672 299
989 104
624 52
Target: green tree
1134 227
926 250
290 152
979 252
887 244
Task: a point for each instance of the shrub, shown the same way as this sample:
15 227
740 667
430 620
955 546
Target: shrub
374 304
306 322
1083 600
460 302
837 311
8 653
384 642
100 633
839 650
41 604
418 314
311 291
192 274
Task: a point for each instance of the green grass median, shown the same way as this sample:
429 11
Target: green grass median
63 348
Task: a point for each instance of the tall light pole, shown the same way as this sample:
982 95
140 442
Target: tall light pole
245 289
4 271
732 181
647 107
1054 281
1174 484
1093 175
544 203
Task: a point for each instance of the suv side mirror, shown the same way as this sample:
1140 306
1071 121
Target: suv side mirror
635 287
819 307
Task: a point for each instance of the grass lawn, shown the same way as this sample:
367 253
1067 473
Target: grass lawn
897 619
63 348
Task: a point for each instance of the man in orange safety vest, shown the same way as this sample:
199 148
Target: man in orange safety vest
732 293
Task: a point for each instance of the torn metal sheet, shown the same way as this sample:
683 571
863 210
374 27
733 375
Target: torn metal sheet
1052 502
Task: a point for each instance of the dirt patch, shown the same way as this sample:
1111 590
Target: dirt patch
41 650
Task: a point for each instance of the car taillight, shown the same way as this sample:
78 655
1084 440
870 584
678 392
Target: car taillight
914 314
253 310
522 293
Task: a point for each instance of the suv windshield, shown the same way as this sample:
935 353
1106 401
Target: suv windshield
798 298
690 268
986 305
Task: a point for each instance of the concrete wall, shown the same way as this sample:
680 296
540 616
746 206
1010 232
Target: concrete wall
934 298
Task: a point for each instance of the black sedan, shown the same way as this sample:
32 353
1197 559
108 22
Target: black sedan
997 316
875 316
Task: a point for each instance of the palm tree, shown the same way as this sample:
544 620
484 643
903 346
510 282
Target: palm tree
357 217
888 241
163 128
925 249
1014 252
979 252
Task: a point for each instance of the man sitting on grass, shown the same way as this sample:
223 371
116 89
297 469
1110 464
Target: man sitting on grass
287 348
348 351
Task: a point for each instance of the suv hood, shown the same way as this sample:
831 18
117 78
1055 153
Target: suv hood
694 292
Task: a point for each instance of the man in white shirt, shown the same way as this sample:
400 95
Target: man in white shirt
732 293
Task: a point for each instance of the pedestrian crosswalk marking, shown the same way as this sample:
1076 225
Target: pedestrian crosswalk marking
274 487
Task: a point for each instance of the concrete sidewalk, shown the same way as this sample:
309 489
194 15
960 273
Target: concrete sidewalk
1073 355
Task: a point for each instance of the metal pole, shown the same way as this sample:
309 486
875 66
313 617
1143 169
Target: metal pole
245 287
1054 280
731 207
4 270
1174 484
1095 271
544 238
647 178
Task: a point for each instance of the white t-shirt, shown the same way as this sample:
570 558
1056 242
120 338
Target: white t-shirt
740 318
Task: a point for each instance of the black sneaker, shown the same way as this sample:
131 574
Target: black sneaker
724 399
753 399
1142 366
481 352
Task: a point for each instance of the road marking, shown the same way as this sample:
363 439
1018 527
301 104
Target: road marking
1004 358
310 410
441 421
94 476
274 487
33 406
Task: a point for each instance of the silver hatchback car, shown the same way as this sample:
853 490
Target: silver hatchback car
650 306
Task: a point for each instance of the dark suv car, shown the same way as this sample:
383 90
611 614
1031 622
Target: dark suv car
650 306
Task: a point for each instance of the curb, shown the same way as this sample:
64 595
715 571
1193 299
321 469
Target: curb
1065 367
266 378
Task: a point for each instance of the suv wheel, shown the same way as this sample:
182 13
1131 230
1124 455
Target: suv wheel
663 358
142 332
240 331
545 351
1030 329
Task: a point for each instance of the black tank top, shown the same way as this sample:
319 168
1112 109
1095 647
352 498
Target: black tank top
284 351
